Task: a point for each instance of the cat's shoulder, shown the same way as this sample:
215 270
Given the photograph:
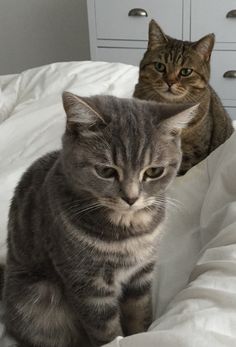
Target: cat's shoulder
36 173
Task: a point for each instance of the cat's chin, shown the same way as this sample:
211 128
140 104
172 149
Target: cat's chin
130 217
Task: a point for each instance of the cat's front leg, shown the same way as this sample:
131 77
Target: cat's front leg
136 303
102 320
99 315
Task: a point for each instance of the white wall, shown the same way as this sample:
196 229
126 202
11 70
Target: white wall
37 32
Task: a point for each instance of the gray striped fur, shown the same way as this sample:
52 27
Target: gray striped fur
80 258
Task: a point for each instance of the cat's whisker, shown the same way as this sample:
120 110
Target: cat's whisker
77 203
90 208
168 198
159 205
78 212
173 203
77 207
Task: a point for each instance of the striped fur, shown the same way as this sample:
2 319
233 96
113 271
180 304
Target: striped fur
80 258
211 126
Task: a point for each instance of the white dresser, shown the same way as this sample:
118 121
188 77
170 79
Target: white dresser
118 32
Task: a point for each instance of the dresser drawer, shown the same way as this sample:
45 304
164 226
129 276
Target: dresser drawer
113 22
221 62
120 55
209 16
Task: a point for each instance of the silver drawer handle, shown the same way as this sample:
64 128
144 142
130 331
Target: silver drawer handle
137 12
230 74
231 14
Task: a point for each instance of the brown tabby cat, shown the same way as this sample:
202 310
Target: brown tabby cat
84 221
176 71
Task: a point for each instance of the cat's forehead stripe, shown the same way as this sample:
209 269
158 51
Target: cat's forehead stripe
146 157
141 149
132 145
175 53
166 56
118 152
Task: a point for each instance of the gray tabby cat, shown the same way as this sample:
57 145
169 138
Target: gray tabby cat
84 221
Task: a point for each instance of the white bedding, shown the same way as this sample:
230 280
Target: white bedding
195 284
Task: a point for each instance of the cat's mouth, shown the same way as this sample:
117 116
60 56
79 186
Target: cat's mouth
121 207
173 93
121 213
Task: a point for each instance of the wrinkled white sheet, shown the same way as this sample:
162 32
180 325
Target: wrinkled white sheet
195 284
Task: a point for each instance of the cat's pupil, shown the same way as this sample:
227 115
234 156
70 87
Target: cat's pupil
160 67
154 172
186 72
106 171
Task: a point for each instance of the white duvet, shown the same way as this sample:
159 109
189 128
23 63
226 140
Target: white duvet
194 294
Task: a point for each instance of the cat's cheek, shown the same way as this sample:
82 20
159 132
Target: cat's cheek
193 83
169 177
150 75
158 186
198 85
105 188
96 186
152 187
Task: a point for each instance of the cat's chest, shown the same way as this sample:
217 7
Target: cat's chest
120 273
123 276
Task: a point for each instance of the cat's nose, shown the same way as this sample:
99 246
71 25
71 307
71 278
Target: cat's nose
170 83
130 200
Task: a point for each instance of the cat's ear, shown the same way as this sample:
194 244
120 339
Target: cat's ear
156 35
174 118
205 46
81 114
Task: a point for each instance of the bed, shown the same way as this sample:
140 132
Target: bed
194 292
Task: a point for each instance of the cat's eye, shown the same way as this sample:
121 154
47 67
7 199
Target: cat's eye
106 171
160 67
154 172
185 72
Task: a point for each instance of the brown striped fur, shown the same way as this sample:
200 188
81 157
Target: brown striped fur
211 126
81 246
